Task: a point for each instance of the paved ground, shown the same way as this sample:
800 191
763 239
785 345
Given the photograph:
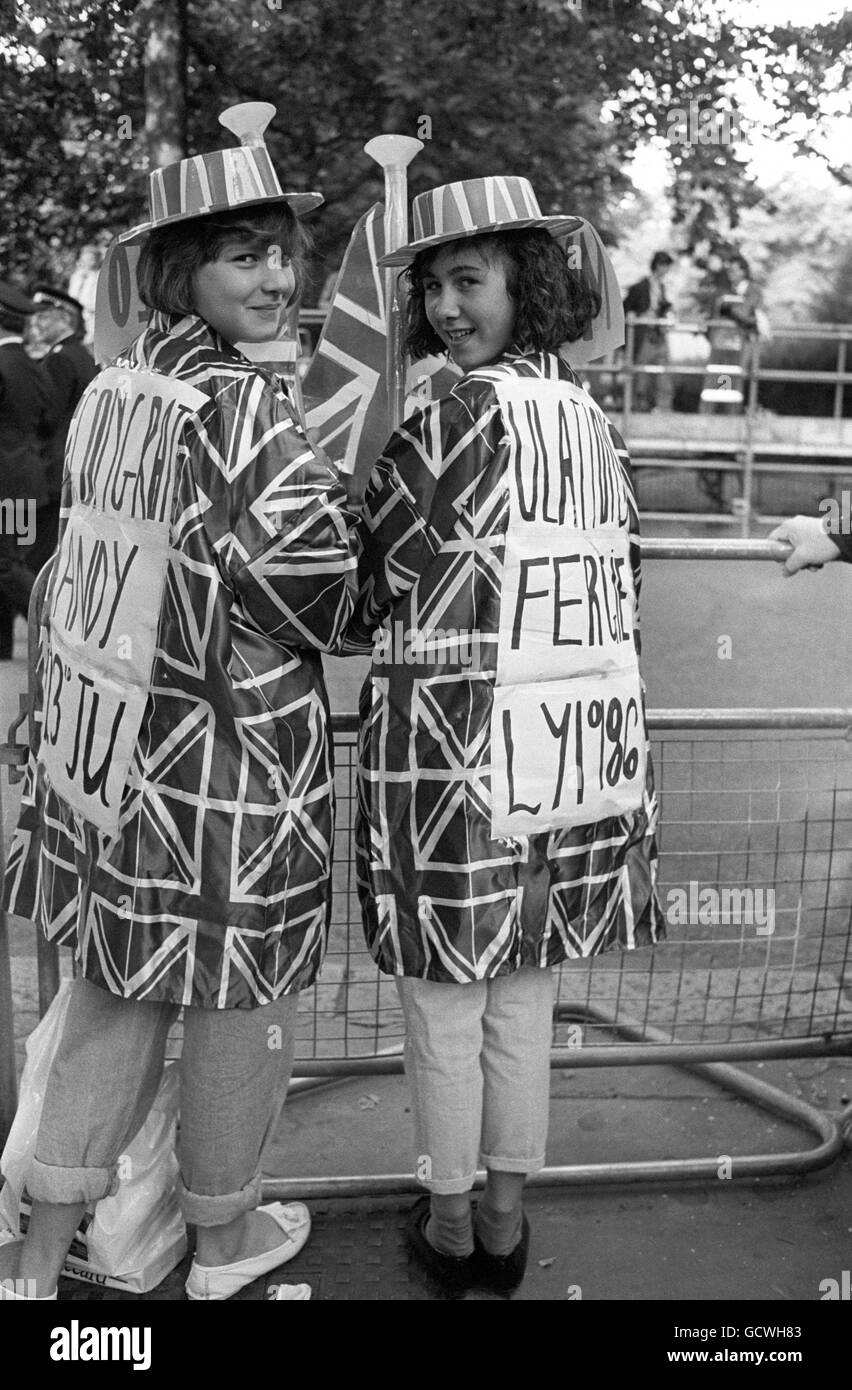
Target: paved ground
776 1240
770 1241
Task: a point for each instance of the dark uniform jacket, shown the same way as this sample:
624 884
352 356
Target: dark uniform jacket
69 367
638 301
27 418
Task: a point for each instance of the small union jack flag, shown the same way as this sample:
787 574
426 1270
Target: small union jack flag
344 388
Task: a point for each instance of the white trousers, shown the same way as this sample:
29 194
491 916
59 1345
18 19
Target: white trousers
477 1057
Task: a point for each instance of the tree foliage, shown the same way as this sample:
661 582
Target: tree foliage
68 73
536 87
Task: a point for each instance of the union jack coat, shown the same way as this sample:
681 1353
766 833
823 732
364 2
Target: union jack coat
214 891
442 897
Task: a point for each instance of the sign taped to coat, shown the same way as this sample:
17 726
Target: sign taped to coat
106 586
567 728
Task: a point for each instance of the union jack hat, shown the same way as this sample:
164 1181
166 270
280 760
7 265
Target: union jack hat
472 207
239 177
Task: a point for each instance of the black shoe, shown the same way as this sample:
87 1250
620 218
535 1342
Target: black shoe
454 1272
501 1273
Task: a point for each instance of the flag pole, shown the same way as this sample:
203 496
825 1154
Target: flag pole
394 153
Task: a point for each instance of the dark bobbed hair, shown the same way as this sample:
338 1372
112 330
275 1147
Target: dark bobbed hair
553 304
171 255
661 258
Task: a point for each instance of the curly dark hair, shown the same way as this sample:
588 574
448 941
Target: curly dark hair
171 255
554 305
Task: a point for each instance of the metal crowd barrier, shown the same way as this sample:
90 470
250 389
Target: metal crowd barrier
748 373
753 802
721 477
758 462
625 366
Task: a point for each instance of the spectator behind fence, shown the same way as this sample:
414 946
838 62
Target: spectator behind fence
27 419
645 299
744 304
469 899
739 322
817 540
69 367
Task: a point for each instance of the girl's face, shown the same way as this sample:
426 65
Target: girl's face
468 305
243 292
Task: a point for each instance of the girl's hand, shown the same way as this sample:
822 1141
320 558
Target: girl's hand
811 546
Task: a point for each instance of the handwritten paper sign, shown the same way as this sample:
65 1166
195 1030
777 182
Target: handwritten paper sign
107 582
120 314
567 729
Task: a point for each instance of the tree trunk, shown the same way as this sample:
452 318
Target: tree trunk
165 79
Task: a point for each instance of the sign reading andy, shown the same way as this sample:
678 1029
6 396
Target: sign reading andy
567 729
106 585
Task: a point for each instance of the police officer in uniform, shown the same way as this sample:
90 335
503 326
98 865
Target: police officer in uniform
69 367
27 419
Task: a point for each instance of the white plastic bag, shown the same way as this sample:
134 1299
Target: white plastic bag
129 1241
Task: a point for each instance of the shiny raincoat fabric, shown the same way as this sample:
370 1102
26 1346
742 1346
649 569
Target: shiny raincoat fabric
442 899
215 890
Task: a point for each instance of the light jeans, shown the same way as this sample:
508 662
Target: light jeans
234 1071
477 1057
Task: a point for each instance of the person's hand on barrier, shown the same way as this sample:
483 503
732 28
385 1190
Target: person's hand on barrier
811 546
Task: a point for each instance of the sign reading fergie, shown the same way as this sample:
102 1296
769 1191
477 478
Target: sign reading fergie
106 585
567 732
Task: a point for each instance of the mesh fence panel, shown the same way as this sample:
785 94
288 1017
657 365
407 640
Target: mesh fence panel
755 880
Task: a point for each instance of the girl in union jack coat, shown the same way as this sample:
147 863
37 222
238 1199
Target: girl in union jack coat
507 811
178 813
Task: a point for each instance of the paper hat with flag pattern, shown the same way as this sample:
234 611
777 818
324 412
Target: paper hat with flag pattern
222 181
473 207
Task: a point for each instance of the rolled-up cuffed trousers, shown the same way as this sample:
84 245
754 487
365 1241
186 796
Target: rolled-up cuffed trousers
477 1058
234 1071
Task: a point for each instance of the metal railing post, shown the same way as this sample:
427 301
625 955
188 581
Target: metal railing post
8 1071
697 548
838 390
627 368
752 357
